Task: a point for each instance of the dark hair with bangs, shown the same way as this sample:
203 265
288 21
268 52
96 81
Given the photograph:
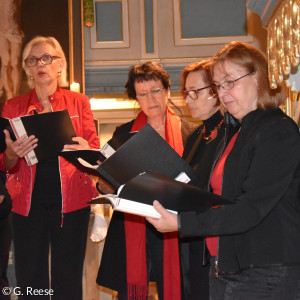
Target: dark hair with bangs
252 60
144 72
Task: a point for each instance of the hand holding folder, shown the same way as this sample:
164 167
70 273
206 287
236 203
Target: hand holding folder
146 150
53 130
138 194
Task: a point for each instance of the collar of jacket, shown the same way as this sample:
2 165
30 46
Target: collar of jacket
229 120
258 114
35 104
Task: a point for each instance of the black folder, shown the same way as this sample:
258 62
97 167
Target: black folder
145 151
173 195
53 131
92 156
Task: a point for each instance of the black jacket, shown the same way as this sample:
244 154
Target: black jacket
262 177
112 270
194 257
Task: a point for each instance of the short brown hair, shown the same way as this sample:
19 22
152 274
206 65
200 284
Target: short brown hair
252 60
144 72
204 66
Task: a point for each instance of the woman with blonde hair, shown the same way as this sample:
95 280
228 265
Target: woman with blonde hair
50 210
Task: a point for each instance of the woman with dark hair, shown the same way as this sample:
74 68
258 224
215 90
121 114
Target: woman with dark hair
254 242
135 253
200 151
50 211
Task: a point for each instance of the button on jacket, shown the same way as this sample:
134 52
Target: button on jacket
77 188
262 176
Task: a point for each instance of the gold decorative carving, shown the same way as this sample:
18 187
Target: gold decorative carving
284 41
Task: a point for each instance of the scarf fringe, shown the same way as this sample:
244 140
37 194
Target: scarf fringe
137 292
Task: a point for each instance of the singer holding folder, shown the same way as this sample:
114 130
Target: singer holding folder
200 152
255 242
50 198
134 253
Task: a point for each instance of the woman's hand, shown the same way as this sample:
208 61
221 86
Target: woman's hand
82 144
18 149
167 222
104 187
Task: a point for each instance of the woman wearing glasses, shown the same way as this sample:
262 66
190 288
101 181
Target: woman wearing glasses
49 198
134 252
256 240
200 151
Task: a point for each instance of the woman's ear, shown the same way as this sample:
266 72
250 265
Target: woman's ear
169 93
61 65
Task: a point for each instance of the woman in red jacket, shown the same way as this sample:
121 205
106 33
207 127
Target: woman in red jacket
50 208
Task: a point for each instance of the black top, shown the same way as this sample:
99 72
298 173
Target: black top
194 257
112 270
262 175
5 206
47 186
206 151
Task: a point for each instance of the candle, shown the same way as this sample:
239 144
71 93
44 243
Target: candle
75 87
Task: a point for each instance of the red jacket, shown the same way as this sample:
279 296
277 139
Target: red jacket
77 187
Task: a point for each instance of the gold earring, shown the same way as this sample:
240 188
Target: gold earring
31 77
59 73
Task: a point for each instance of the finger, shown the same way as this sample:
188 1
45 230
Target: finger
159 208
23 151
7 136
26 142
79 140
74 147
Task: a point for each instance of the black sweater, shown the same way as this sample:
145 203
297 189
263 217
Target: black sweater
262 176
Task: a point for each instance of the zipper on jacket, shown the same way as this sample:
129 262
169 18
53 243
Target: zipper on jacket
32 185
216 264
216 273
62 201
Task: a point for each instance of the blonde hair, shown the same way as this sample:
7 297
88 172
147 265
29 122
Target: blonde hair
252 60
62 79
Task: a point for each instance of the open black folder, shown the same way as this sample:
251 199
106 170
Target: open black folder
137 196
144 151
86 159
53 131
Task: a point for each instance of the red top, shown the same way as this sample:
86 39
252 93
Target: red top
216 184
76 187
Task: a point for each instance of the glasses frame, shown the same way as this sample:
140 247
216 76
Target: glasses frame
217 87
187 93
154 93
39 59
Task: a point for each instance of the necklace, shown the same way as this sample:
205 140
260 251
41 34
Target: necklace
213 133
159 128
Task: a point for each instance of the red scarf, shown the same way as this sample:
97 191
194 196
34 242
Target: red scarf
135 232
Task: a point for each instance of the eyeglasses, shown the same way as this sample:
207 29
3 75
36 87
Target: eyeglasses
45 60
154 93
193 94
229 84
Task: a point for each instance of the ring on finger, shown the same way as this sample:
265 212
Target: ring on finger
20 147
